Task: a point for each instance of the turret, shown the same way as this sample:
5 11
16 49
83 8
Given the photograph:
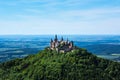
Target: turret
62 39
56 39
51 43
71 45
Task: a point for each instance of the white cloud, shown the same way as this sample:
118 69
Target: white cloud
35 25
91 13
49 19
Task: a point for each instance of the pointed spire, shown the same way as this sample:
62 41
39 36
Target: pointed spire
56 39
62 39
55 36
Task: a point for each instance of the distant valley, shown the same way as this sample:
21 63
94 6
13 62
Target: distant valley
20 46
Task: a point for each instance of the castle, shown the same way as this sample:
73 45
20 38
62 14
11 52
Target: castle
61 46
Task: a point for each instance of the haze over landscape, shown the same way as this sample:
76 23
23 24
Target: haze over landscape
35 17
59 39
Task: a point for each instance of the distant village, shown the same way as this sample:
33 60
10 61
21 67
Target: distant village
61 45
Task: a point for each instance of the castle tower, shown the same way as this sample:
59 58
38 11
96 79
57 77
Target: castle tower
72 44
56 39
62 39
51 43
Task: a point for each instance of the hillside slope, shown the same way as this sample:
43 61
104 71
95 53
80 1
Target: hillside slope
50 65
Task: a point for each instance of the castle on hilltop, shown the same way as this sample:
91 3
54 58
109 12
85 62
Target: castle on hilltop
61 46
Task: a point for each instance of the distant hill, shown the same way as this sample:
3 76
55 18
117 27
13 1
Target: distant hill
50 65
104 49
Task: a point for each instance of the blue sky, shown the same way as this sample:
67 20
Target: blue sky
59 17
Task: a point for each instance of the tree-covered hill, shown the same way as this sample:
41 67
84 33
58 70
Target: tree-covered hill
50 65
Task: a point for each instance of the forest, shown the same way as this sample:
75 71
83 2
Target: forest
78 64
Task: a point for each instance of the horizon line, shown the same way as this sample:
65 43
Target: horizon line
51 34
